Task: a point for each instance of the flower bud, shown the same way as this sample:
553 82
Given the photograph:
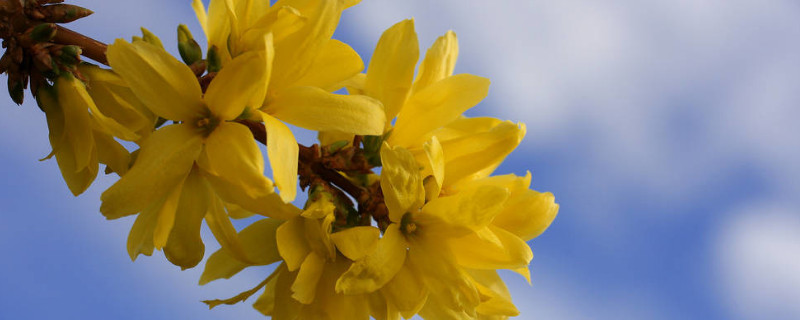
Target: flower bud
63 13
16 88
214 60
70 55
189 49
43 32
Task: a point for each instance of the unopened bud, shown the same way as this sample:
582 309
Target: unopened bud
70 55
43 32
63 13
214 60
189 49
151 38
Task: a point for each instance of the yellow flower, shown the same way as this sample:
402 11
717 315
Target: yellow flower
81 135
304 65
303 285
415 251
185 170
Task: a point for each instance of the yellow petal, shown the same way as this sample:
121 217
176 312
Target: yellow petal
115 99
292 243
240 84
222 228
283 152
305 285
434 160
111 153
477 155
448 284
163 161
318 236
506 251
336 63
72 90
166 216
464 126
439 62
232 153
469 210
200 11
499 299
237 212
295 53
400 182
73 99
266 204
316 109
218 28
528 214
185 247
435 106
377 268
258 241
327 138
266 301
406 292
286 307
354 243
140 239
391 67
165 85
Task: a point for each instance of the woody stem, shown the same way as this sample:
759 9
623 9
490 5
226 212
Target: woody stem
91 48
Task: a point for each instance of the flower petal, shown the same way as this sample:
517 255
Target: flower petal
165 85
140 239
111 153
164 161
528 214
231 153
266 204
241 83
283 156
400 182
336 63
316 109
355 243
477 155
258 241
304 287
439 62
465 211
406 292
222 228
166 216
391 67
437 105
292 243
295 52
377 268
491 248
185 247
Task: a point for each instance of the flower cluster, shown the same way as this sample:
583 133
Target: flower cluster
403 214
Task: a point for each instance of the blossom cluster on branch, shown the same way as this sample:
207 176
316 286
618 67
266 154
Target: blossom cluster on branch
403 215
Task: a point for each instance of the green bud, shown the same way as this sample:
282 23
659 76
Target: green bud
214 60
43 32
189 49
70 55
150 38
63 13
338 145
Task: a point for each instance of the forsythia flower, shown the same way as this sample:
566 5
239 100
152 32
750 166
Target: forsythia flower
81 134
205 153
303 65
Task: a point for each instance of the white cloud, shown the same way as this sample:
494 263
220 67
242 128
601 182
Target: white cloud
757 258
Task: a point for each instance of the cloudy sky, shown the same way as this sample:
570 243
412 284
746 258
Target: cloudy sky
666 129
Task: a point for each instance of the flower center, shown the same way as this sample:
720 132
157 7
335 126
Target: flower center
206 122
407 225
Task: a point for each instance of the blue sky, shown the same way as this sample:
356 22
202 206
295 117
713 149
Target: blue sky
666 130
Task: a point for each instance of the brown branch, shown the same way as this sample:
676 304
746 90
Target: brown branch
91 48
